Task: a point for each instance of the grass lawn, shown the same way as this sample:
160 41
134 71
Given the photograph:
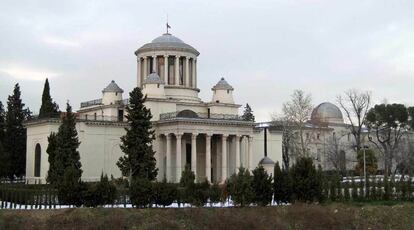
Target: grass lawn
388 215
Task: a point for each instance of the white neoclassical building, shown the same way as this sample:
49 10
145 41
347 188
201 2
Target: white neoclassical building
207 135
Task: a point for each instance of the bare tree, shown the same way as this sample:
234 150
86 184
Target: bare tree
336 152
287 139
356 105
297 113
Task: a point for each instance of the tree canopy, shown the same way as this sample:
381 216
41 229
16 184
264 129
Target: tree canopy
48 107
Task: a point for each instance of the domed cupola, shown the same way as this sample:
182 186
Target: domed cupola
111 94
174 61
223 92
327 113
153 86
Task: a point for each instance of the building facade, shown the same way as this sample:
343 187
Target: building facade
209 136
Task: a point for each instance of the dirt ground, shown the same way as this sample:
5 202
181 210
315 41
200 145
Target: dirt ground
297 216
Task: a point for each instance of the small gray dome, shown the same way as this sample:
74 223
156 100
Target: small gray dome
266 161
223 84
167 42
327 113
153 78
112 87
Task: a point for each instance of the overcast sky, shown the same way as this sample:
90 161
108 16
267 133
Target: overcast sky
265 49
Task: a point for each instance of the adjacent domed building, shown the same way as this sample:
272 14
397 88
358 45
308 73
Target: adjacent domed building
327 113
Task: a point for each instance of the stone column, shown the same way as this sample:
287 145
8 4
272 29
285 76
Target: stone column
139 71
208 157
187 71
166 69
237 140
194 153
177 70
145 68
178 158
224 157
194 74
154 64
250 146
168 158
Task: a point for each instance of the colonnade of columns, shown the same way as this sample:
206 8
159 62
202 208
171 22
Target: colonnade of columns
224 155
171 74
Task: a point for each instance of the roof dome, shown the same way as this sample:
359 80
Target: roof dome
266 161
327 113
153 78
167 42
223 84
112 87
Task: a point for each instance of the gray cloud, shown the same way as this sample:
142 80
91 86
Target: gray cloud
265 49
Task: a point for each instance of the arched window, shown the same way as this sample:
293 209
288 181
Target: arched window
187 113
38 151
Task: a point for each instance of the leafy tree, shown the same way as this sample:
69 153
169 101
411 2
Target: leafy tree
141 192
239 187
248 113
281 185
389 123
371 162
305 185
15 135
139 160
52 177
48 107
262 186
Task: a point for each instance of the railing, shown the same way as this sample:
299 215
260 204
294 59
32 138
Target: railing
172 115
91 103
88 117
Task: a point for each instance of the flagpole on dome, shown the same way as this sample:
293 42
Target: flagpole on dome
168 25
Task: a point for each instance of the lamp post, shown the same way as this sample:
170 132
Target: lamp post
365 170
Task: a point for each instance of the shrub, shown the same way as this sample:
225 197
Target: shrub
187 184
305 185
239 187
165 193
200 193
262 186
100 193
281 185
141 192
215 193
71 189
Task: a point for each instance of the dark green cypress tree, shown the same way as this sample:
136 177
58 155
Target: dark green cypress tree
48 107
262 186
347 195
51 151
305 184
215 193
136 144
248 113
354 190
66 145
15 135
